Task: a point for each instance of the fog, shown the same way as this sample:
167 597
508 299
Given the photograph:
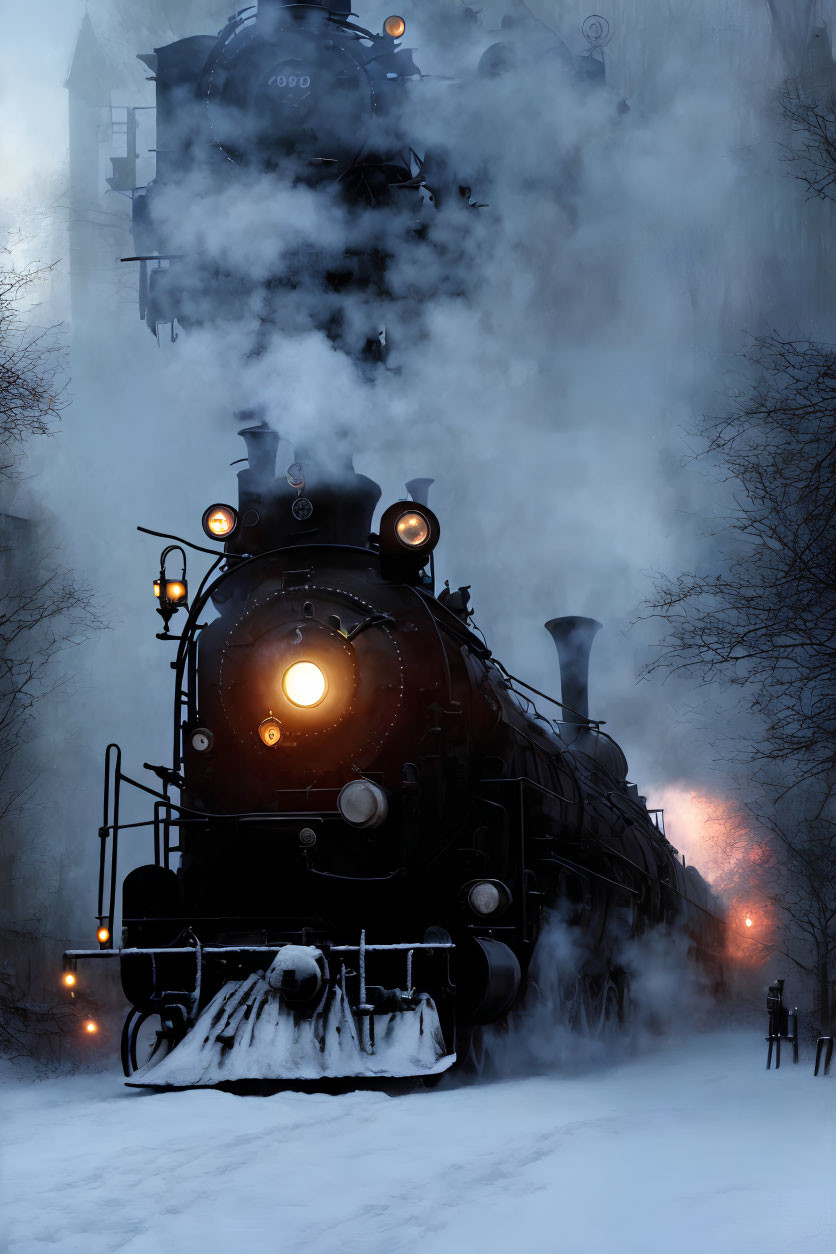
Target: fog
547 355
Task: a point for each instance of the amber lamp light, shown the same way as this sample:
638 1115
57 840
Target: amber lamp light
219 521
270 732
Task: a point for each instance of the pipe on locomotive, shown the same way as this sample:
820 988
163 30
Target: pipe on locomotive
419 490
573 637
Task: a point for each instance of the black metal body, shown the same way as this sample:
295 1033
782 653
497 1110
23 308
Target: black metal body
293 92
480 787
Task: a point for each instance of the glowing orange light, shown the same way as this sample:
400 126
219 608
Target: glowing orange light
156 587
304 684
69 979
413 529
220 520
175 591
270 732
103 935
90 1027
394 26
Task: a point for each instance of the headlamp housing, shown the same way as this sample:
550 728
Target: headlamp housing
486 899
409 532
220 521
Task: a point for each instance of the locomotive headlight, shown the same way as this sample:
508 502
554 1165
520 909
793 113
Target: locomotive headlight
487 897
103 935
219 521
394 26
69 979
412 529
304 684
408 534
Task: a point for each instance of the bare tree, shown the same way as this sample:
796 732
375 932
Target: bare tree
810 115
32 365
801 886
44 609
761 615
778 863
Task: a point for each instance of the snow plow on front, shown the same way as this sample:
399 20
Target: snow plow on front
303 1013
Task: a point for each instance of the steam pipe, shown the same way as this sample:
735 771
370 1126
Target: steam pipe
573 639
262 447
419 490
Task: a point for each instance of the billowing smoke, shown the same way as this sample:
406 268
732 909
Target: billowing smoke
659 995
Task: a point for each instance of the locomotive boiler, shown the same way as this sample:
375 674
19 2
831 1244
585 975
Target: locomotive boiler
366 823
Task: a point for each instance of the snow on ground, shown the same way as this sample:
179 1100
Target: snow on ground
692 1148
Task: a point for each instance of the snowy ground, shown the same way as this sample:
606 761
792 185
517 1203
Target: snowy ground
689 1149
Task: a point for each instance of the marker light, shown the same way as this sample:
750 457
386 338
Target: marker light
103 935
394 26
219 521
484 898
304 684
69 979
362 803
270 732
175 590
412 529
90 1027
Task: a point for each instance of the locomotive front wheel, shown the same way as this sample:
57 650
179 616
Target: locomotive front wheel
601 1009
146 1036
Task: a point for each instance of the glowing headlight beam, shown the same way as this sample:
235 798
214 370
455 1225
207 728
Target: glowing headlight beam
219 521
304 684
412 529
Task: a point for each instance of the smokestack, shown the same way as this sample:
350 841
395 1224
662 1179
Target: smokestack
573 638
419 490
262 447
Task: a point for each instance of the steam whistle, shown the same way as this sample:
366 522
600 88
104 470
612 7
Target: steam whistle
783 1024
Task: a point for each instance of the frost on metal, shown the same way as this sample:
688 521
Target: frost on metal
248 1032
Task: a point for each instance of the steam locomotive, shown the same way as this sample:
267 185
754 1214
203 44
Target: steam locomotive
374 823
296 95
290 91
